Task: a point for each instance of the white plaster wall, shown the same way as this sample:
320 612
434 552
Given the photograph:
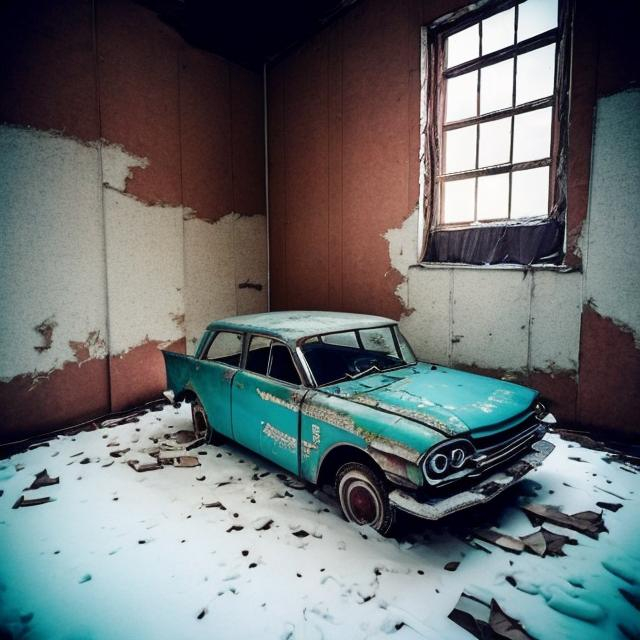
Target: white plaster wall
218 257
144 271
489 317
80 251
52 263
611 242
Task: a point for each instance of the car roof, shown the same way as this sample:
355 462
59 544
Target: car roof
291 326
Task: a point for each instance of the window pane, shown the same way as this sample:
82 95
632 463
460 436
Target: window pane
226 347
258 354
463 46
346 339
530 193
498 31
282 367
496 86
493 197
532 135
535 73
459 198
462 94
536 16
460 145
495 141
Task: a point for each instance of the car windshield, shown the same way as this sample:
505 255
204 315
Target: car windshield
333 357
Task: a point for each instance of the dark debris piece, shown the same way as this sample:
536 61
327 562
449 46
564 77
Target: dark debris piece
42 480
502 540
546 543
630 597
486 622
451 566
119 453
215 505
301 533
235 527
23 502
588 523
265 526
183 436
140 468
609 506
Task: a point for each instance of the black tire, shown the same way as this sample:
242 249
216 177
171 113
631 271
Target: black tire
364 498
201 426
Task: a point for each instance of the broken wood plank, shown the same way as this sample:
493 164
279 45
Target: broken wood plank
588 523
502 540
24 502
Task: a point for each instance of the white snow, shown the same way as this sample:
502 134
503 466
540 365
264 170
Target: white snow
121 554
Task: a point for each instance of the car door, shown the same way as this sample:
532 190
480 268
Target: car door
214 373
265 400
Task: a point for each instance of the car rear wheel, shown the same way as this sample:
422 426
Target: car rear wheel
201 426
364 497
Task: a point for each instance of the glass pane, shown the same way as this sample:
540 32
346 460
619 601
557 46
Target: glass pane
530 193
532 135
462 96
258 354
493 197
226 347
282 367
496 86
463 46
346 339
534 75
459 198
495 141
536 16
498 31
379 340
460 145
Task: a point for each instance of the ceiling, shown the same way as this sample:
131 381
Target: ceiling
247 32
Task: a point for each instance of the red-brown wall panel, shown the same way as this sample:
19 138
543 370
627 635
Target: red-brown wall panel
139 105
47 76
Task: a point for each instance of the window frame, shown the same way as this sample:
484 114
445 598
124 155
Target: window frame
433 126
214 335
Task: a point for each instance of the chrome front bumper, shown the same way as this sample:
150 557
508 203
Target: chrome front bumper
436 508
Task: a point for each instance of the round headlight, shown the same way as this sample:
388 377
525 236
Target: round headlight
439 463
457 458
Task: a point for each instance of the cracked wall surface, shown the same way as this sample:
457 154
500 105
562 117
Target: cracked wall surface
131 206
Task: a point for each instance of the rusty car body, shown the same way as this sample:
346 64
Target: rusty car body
340 399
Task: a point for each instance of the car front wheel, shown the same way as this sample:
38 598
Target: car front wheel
364 498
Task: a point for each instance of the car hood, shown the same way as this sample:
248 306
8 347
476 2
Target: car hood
451 401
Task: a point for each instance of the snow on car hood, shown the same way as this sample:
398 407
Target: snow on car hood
452 401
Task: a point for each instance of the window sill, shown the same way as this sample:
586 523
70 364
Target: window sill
559 268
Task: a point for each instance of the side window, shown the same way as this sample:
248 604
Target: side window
258 355
282 366
226 347
344 339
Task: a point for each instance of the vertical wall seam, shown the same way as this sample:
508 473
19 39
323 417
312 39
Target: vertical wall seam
100 178
530 323
265 128
181 170
451 321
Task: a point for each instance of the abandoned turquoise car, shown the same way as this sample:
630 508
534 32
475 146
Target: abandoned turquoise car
340 399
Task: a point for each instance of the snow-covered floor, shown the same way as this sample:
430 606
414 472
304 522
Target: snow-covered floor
124 554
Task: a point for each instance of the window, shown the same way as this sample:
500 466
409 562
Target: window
496 136
272 358
226 347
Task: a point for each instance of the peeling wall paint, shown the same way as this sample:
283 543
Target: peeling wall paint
506 319
89 270
610 241
52 261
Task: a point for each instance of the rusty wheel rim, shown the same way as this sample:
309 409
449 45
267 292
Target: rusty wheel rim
362 503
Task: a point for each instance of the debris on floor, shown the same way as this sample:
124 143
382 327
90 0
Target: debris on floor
225 544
